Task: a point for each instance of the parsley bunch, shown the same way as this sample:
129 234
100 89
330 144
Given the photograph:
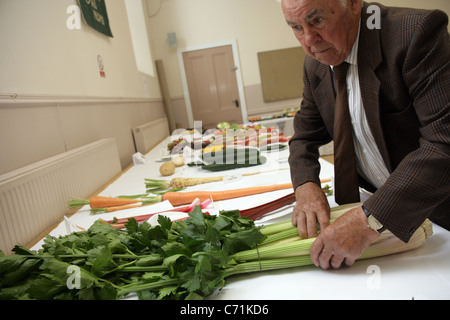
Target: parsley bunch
173 260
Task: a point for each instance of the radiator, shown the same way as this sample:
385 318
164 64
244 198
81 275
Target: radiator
34 198
150 134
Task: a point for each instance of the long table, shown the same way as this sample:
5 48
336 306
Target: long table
423 273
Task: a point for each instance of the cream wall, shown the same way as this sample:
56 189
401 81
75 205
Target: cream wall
41 56
257 25
52 98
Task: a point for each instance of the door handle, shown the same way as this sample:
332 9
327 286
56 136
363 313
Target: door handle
236 102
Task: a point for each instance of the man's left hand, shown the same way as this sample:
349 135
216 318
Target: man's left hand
343 241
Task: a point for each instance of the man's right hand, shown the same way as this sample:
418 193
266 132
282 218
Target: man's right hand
311 208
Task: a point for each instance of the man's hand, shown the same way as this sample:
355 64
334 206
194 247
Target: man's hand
343 241
311 208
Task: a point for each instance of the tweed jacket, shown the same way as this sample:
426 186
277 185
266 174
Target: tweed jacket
404 72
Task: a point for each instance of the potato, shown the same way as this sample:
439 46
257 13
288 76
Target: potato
167 169
178 161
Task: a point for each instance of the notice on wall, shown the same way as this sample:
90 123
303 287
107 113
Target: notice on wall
101 66
96 16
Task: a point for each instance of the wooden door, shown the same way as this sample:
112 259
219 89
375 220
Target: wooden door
212 86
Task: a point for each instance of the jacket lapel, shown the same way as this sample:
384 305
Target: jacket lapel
369 58
325 97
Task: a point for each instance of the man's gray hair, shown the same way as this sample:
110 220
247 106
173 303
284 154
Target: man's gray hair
344 4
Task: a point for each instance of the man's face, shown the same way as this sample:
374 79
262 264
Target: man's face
326 29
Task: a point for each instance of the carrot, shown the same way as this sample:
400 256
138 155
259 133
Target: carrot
143 217
148 201
105 202
100 202
180 198
114 209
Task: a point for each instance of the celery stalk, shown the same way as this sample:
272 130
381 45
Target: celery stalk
282 250
286 234
276 227
297 253
271 264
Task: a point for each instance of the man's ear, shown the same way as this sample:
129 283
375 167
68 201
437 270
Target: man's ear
356 6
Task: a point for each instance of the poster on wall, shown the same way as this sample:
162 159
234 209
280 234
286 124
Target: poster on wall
95 15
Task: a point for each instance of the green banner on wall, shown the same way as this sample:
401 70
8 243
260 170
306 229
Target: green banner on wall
95 15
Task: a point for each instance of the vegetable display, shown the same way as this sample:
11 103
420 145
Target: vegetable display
178 198
252 213
101 204
173 260
230 158
167 169
180 183
181 198
97 202
119 223
160 185
227 136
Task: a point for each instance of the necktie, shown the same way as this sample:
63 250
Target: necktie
346 177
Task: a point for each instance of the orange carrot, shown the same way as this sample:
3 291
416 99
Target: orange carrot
129 206
114 209
106 202
180 198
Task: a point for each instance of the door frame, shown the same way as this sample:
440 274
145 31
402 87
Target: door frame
238 73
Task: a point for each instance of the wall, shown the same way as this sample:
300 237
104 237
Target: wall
33 129
41 56
257 25
52 97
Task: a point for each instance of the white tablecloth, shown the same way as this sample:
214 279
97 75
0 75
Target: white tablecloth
420 274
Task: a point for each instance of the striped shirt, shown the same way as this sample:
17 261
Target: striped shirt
369 161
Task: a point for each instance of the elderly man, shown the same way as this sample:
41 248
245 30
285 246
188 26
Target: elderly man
390 104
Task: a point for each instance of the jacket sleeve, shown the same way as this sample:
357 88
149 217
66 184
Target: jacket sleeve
310 134
421 182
